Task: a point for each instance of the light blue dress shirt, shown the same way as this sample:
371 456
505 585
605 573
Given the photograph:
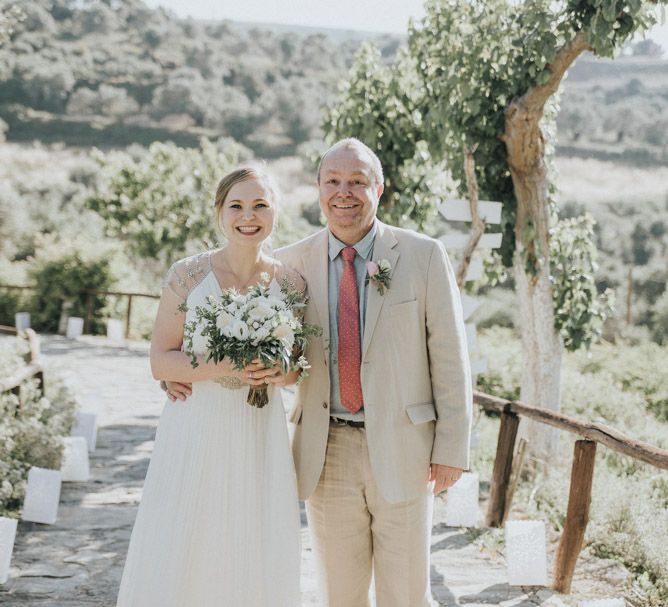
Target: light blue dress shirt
364 250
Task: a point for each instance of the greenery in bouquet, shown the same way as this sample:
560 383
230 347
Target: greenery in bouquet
256 325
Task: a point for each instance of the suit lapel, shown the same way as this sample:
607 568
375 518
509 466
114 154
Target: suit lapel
383 248
316 273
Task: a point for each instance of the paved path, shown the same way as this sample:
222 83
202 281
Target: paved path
78 561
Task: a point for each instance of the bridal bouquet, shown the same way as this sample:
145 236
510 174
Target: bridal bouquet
256 325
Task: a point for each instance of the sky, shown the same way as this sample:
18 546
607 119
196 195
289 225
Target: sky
365 15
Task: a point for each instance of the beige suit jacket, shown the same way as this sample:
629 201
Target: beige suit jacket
416 377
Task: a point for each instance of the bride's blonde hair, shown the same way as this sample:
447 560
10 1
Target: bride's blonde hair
245 173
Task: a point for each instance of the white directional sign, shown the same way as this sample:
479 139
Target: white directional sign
460 210
469 305
478 366
471 339
474 271
459 241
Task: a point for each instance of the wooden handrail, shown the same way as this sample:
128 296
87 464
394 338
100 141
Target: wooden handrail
89 291
13 382
90 294
599 433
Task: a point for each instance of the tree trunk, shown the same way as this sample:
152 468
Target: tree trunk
541 345
541 357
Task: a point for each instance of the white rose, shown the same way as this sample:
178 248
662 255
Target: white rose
240 330
261 334
224 320
285 333
260 312
384 265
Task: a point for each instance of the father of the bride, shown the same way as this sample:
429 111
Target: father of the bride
387 404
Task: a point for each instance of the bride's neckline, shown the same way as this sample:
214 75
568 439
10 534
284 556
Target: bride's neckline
248 285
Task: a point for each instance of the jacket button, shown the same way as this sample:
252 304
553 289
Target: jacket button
324 405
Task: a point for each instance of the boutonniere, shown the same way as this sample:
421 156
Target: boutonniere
379 274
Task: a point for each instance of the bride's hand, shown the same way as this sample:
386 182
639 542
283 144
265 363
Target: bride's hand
178 390
256 374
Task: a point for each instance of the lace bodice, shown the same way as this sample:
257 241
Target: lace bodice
184 275
192 280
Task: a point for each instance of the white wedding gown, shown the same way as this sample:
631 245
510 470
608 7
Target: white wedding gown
218 524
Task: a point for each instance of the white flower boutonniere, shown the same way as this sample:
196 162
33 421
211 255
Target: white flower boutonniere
379 274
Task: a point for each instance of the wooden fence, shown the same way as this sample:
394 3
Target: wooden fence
582 472
90 301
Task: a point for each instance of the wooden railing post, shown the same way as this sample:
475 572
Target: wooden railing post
127 318
503 464
577 516
90 299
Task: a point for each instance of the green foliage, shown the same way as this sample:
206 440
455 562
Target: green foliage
30 433
638 369
161 201
11 302
63 279
378 104
579 310
9 17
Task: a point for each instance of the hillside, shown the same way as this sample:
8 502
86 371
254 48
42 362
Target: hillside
90 74
111 74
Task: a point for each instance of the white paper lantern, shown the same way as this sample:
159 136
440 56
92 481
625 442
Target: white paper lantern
115 329
603 603
75 466
7 537
74 327
526 558
42 496
462 502
22 320
86 426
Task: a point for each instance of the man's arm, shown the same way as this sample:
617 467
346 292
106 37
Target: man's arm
449 366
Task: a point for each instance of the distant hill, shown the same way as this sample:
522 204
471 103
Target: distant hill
616 110
113 73
87 73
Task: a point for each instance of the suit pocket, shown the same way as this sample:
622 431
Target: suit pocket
405 307
421 413
295 415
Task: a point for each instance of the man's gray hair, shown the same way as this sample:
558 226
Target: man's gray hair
352 142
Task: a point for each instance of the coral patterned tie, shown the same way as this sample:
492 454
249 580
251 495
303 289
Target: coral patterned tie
349 335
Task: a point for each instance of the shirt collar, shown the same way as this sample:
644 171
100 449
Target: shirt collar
363 247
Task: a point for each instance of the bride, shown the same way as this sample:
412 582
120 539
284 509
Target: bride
218 524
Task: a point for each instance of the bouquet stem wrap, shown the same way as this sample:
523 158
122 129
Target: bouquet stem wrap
258 396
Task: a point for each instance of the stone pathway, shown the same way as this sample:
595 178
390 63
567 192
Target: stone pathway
78 561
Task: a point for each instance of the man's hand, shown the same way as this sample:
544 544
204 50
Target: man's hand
444 477
178 390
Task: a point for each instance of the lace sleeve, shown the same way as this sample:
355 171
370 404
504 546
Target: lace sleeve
292 277
184 275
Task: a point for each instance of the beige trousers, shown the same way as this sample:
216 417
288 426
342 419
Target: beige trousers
355 533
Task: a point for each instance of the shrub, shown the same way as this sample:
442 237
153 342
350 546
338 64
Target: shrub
65 279
30 433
